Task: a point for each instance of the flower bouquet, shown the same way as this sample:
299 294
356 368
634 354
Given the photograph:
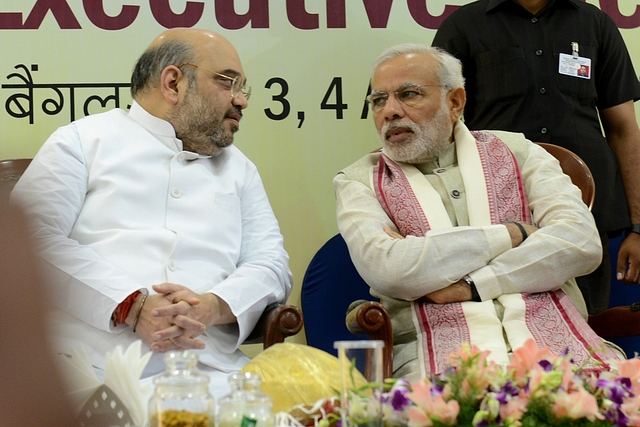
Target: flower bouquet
537 388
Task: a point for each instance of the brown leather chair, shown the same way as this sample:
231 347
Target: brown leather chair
278 321
371 318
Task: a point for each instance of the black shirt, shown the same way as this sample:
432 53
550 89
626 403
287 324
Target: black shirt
510 62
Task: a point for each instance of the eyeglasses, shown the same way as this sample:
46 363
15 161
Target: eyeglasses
236 87
410 95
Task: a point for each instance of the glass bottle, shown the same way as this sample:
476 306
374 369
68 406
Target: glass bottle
182 395
245 405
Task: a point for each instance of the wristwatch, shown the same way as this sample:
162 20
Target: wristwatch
635 228
474 291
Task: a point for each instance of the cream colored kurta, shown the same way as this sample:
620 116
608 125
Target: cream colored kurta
400 271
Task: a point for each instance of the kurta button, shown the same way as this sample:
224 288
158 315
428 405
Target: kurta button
534 20
171 265
175 192
543 90
455 194
441 171
539 52
543 130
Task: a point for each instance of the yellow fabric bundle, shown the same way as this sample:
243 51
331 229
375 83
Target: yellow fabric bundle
294 374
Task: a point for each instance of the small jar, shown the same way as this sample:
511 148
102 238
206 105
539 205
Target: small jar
182 395
245 405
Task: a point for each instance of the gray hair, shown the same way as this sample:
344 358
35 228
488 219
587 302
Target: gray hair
449 73
147 71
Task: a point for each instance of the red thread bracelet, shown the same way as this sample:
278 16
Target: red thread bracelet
122 310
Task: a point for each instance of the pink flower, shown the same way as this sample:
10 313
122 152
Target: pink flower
631 408
630 369
577 404
430 406
527 357
568 375
514 409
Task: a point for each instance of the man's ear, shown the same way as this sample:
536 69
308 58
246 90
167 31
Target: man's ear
457 99
172 84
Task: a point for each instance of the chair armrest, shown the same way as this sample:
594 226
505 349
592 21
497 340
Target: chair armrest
278 322
370 317
616 322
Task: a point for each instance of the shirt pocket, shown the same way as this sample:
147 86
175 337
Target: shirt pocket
503 74
574 86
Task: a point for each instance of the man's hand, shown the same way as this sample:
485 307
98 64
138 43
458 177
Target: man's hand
186 305
159 332
456 292
628 268
189 315
393 234
516 234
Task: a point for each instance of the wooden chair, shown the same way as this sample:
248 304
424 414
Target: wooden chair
278 321
371 318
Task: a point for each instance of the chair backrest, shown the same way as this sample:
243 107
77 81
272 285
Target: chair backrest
10 171
577 170
330 285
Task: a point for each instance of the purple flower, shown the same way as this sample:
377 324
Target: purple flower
615 390
546 365
437 389
399 400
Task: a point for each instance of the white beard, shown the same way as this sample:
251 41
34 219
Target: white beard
429 139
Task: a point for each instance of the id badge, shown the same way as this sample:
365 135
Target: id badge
575 66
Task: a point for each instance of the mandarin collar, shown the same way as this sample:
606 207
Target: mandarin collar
161 129
153 124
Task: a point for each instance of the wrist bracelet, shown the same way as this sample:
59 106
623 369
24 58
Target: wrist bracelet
522 231
122 310
135 322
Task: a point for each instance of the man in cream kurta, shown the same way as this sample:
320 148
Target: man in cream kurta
562 244
127 201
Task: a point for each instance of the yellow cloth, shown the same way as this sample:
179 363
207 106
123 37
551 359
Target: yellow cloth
294 374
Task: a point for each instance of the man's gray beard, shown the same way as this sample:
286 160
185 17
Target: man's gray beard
199 126
429 139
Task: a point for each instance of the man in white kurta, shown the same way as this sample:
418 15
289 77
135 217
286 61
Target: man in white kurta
441 265
120 203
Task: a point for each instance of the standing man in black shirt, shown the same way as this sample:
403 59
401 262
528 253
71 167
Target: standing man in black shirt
552 69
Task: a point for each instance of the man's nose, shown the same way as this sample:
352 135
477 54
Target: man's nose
392 108
240 100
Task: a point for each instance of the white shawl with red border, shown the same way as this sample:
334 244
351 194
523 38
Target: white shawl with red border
495 194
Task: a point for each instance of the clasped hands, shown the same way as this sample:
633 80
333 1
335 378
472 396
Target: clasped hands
175 316
460 291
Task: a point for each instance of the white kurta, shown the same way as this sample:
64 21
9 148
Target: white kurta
117 206
402 270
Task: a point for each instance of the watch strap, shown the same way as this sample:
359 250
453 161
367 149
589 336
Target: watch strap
475 296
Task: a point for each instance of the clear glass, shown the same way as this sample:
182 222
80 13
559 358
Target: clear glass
245 405
182 394
361 381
